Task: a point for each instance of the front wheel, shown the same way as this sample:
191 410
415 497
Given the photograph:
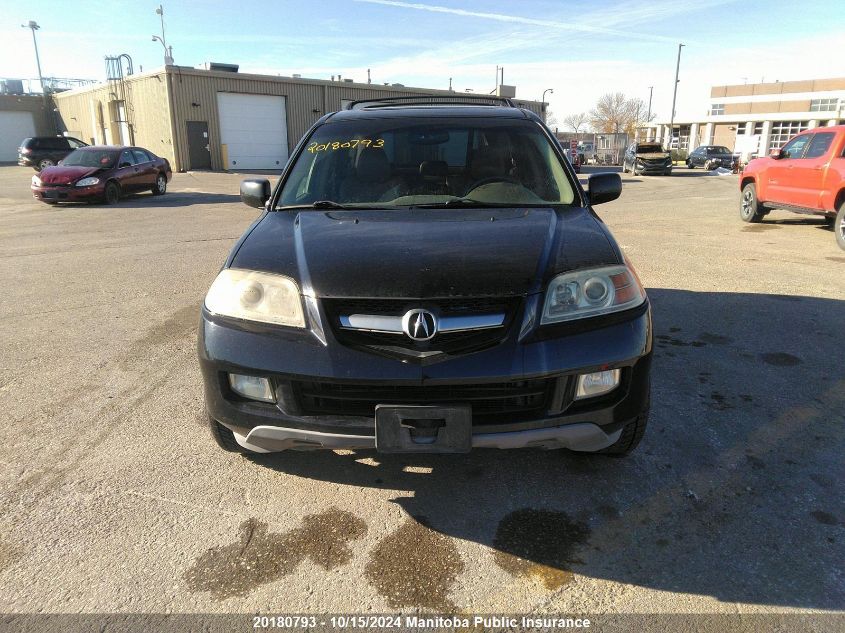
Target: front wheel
44 163
112 193
224 438
160 186
750 209
839 226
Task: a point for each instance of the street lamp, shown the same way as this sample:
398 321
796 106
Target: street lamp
543 100
674 97
33 25
168 50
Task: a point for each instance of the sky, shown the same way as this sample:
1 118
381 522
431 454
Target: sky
580 49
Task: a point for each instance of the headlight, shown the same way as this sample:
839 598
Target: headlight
255 296
36 181
87 182
587 293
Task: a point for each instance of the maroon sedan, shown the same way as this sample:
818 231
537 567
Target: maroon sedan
102 173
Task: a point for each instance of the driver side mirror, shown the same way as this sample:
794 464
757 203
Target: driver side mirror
255 192
603 188
777 154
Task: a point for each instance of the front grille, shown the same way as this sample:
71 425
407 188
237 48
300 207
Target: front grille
399 345
491 402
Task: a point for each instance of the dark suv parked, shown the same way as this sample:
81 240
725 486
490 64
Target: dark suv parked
711 157
45 151
427 277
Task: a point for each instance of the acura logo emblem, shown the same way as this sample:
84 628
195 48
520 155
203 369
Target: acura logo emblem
419 325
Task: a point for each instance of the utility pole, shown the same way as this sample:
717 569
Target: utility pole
33 25
168 51
650 93
674 97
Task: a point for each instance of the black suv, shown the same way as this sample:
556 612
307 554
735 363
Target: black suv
45 151
711 157
427 277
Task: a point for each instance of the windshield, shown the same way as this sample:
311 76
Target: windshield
644 148
104 159
389 163
719 150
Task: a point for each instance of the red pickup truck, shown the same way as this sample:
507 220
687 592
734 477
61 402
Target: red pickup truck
807 175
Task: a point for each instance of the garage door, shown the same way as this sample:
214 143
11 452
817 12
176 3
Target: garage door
14 127
254 131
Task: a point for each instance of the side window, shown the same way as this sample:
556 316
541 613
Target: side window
141 156
819 145
126 158
795 147
75 144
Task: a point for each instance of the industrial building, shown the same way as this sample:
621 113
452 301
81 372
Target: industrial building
214 118
760 116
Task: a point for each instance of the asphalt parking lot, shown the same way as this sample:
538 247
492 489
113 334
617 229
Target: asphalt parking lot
114 498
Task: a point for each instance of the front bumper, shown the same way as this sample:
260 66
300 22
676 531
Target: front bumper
26 162
295 360
68 193
653 168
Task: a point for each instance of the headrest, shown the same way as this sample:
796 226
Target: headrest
434 169
489 162
372 165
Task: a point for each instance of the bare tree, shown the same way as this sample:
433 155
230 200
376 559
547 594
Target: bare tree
551 119
616 113
611 113
576 121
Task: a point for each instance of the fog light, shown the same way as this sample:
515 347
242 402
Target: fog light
253 387
597 383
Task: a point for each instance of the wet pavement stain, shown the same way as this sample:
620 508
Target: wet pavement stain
540 544
260 556
715 339
825 518
415 566
9 555
755 462
780 359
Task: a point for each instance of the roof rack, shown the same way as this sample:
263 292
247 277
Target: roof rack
423 99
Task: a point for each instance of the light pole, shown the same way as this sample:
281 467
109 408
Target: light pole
33 25
168 51
543 101
674 97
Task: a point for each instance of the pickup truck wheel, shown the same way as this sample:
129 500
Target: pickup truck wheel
225 438
750 209
839 226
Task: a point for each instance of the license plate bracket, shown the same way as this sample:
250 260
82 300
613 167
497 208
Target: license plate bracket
423 429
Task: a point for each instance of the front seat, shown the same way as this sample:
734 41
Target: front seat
370 180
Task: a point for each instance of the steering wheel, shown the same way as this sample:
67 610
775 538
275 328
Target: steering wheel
491 179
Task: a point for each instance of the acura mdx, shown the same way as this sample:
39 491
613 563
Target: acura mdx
427 276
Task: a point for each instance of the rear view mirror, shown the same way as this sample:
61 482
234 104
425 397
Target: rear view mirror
776 154
255 192
604 188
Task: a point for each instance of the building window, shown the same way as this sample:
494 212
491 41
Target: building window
717 108
758 127
824 105
782 131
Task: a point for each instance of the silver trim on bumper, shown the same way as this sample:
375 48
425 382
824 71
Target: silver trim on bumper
582 436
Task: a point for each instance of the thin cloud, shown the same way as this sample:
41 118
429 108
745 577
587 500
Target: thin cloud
580 25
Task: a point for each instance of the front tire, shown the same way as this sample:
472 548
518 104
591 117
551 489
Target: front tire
160 186
225 438
839 226
629 439
750 209
44 163
112 193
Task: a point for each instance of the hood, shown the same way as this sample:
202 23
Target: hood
425 252
61 175
653 155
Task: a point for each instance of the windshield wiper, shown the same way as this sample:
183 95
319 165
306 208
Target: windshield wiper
331 204
457 202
